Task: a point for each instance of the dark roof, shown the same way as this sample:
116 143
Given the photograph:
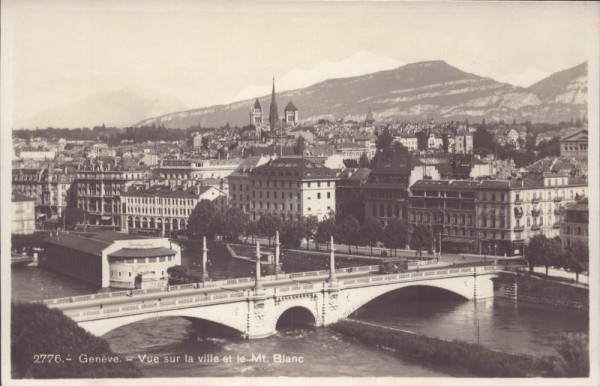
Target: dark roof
165 191
143 252
294 168
111 236
79 243
445 185
257 105
578 206
290 107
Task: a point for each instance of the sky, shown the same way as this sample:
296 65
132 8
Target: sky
207 53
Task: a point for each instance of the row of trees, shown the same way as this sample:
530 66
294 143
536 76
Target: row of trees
207 220
547 252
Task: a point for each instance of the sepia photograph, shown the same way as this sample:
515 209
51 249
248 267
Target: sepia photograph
344 192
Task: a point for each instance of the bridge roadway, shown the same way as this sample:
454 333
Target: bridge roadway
236 303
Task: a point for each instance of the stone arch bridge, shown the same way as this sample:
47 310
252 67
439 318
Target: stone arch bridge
253 306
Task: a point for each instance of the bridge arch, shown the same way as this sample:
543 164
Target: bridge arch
303 312
352 301
234 319
295 316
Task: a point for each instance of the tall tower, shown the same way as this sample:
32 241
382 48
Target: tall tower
256 114
273 114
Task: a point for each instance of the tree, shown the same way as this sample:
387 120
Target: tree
372 232
252 229
205 220
421 238
395 235
363 161
577 258
309 228
291 234
268 224
351 163
325 230
483 142
234 224
542 251
350 232
72 217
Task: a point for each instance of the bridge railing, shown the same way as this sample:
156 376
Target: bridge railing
448 272
99 312
268 278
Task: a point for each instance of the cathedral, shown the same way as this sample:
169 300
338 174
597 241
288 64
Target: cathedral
290 115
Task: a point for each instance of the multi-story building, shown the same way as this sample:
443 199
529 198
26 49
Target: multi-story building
463 143
574 223
291 187
509 212
239 182
193 169
448 207
99 187
350 150
159 210
51 188
23 215
575 145
386 191
408 141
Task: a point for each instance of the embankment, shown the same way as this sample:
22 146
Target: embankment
533 289
466 359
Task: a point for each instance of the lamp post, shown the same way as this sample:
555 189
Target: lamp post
257 283
204 260
332 278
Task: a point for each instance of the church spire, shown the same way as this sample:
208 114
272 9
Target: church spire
273 114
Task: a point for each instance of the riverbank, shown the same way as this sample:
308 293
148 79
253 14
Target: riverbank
467 359
47 344
534 289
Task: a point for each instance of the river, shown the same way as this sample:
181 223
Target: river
497 323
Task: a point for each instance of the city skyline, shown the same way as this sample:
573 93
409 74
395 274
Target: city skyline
203 55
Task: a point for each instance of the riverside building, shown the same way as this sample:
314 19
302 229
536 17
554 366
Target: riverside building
112 259
160 210
291 188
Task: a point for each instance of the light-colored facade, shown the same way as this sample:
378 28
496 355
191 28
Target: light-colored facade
239 182
575 145
188 169
160 210
408 141
23 215
47 186
99 192
292 188
463 143
509 213
575 223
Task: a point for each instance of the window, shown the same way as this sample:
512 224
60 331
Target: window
328 194
318 196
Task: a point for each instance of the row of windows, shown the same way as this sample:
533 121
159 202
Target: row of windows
159 211
161 201
454 219
144 260
274 184
576 230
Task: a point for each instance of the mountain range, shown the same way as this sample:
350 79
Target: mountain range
432 89
113 108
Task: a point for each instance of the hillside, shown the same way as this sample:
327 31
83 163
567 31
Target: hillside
421 90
